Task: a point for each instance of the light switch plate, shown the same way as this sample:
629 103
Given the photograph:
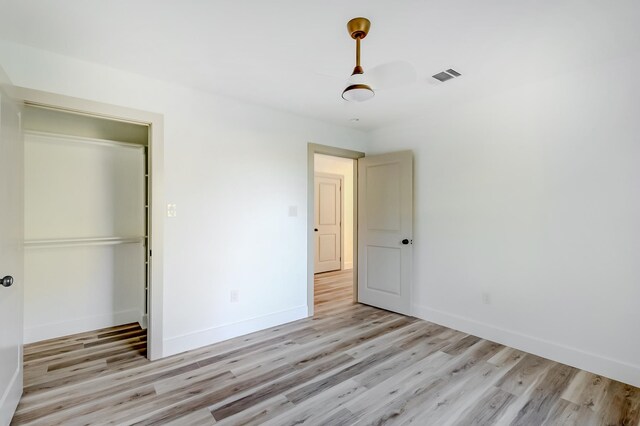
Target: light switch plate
293 211
171 210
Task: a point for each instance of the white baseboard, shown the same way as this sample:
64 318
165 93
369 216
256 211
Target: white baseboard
348 265
198 339
79 325
597 364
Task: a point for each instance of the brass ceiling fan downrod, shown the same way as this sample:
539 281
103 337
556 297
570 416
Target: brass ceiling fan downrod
358 90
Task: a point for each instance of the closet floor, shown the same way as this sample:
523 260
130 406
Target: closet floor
72 359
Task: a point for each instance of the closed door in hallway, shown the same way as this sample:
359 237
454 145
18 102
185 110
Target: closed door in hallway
328 218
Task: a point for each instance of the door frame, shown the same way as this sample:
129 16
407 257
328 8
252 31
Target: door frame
155 161
313 149
341 179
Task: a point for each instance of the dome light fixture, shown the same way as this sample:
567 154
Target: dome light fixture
357 88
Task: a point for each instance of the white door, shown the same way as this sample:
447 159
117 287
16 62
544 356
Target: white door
328 215
11 254
385 230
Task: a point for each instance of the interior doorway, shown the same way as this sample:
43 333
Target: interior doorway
147 240
86 196
333 232
333 229
382 229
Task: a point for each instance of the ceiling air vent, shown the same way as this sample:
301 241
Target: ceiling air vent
446 75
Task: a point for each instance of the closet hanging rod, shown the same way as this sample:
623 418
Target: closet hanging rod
70 242
83 139
84 113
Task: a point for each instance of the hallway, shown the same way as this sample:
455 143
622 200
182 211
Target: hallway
332 291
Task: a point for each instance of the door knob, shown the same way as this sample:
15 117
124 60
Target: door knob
315 229
7 281
405 241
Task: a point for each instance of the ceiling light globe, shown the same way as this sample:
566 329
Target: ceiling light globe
357 93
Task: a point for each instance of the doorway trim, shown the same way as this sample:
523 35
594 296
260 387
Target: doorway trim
155 122
313 149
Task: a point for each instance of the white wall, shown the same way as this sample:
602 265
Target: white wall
532 196
76 188
233 170
73 289
344 168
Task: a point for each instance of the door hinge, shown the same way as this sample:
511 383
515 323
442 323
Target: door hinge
149 253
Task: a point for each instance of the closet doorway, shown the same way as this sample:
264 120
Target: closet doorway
93 241
85 223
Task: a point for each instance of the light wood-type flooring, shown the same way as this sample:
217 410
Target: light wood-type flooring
350 364
332 290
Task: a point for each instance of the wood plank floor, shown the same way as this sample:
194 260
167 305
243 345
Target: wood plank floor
332 290
352 364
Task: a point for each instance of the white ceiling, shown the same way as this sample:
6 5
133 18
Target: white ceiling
279 52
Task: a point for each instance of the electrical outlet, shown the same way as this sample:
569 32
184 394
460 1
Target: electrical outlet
171 210
234 296
486 298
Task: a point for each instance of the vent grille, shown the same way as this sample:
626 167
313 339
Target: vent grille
446 75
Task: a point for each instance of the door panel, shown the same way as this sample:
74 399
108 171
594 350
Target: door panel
385 219
384 269
327 204
383 204
11 253
327 252
328 213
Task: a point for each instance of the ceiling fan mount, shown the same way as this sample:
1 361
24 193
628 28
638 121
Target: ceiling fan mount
358 27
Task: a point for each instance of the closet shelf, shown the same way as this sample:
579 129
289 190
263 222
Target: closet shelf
69 242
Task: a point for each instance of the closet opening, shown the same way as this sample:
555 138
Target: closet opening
87 232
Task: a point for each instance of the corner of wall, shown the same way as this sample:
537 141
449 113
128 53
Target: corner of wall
597 364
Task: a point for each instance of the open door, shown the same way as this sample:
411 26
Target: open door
11 253
385 230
